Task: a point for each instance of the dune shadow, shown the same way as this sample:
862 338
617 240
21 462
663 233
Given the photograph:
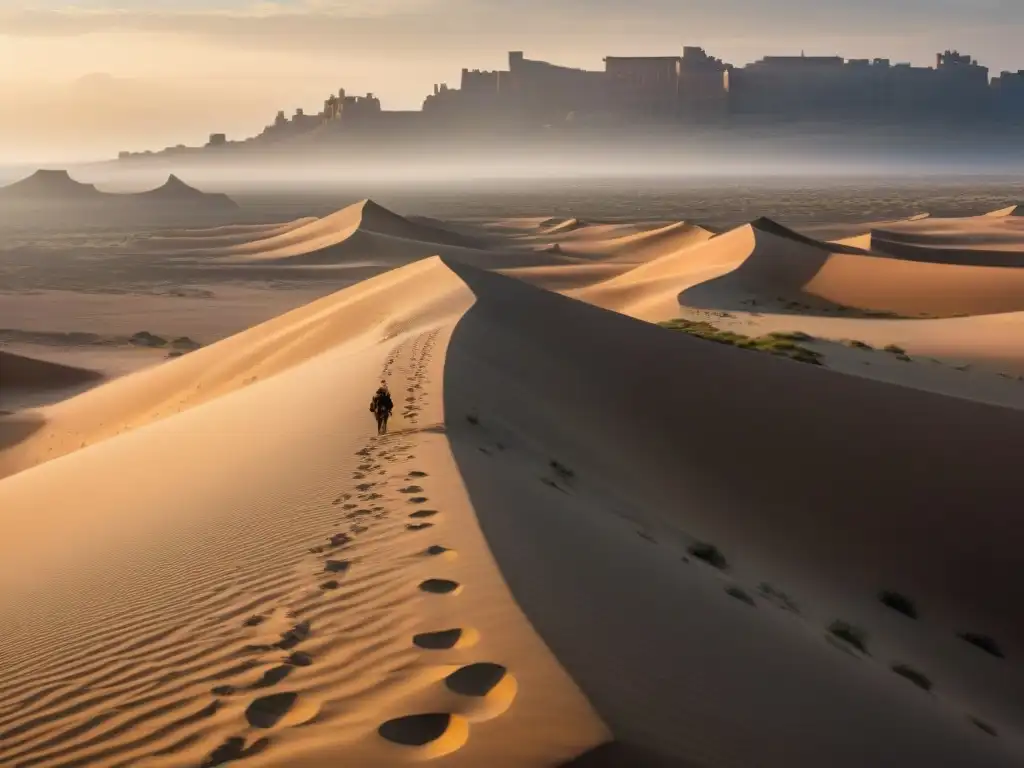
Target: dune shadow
16 428
618 755
744 450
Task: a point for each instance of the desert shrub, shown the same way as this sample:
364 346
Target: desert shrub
983 726
185 343
850 634
778 597
856 344
561 470
881 313
147 339
791 336
898 602
740 594
984 642
709 553
776 344
917 678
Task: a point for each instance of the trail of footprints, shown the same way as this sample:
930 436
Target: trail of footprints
487 688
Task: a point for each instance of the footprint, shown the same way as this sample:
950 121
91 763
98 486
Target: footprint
358 476
418 526
489 685
445 639
300 659
419 513
234 749
273 676
267 711
340 539
437 549
417 474
418 500
336 566
441 586
435 734
411 489
475 679
254 621
365 486
294 636
350 506
332 584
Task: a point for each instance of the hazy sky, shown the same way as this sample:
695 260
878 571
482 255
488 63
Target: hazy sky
94 76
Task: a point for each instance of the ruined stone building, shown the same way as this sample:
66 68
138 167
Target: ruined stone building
831 88
1008 94
693 87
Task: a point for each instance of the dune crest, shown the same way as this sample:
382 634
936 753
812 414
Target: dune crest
18 371
384 306
1002 213
771 264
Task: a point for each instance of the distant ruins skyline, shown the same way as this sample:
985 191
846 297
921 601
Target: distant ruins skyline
692 88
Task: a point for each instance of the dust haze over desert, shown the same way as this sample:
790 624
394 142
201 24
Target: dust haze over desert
706 429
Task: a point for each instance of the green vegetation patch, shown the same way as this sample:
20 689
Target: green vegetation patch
782 344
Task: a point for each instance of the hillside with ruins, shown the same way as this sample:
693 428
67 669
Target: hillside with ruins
683 92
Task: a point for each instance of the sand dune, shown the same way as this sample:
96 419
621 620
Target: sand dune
557 226
376 308
972 241
1013 210
365 216
503 579
17 371
363 235
755 282
217 237
770 266
727 446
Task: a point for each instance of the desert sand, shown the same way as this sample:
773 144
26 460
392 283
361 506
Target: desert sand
585 540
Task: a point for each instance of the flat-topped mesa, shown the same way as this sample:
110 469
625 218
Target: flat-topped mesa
46 188
49 184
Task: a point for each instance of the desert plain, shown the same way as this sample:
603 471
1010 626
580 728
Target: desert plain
658 490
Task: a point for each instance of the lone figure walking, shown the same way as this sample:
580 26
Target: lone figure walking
381 407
